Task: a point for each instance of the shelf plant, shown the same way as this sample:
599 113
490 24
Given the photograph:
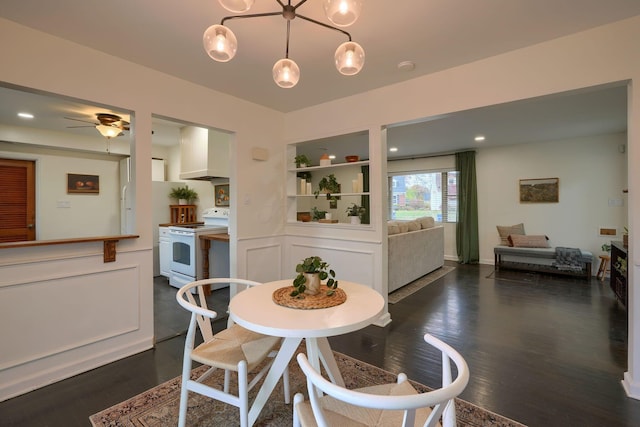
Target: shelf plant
302 161
328 184
184 193
317 214
356 213
355 210
311 271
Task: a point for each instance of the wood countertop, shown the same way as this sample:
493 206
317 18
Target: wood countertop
221 237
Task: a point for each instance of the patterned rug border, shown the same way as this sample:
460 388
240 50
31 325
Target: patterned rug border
154 407
413 287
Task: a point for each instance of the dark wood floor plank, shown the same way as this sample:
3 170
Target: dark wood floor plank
544 350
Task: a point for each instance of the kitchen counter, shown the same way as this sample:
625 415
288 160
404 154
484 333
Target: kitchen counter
208 237
180 224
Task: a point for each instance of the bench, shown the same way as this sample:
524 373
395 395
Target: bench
537 260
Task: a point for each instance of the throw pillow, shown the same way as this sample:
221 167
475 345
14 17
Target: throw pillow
505 230
520 241
393 229
404 226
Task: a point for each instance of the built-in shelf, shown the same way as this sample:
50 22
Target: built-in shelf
334 165
331 195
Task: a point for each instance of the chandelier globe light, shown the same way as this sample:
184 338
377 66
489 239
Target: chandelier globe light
286 73
221 44
236 6
342 12
349 58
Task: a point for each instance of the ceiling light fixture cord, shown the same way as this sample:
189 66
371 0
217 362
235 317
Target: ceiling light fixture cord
221 45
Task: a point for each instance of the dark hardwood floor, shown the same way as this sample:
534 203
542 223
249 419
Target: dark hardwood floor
543 350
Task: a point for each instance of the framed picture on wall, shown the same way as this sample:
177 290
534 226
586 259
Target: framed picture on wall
77 183
221 195
540 190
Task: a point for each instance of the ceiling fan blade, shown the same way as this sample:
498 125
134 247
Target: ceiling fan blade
80 120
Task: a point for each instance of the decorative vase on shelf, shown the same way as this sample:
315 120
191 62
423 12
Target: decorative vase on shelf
183 202
355 220
312 283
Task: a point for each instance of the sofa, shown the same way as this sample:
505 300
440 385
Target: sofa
415 248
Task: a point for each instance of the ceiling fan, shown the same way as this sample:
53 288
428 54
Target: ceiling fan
109 125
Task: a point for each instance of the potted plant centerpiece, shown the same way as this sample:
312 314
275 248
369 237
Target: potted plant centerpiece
184 195
328 185
356 213
311 271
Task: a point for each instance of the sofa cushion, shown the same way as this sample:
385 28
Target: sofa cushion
403 226
413 225
426 222
392 228
523 241
505 230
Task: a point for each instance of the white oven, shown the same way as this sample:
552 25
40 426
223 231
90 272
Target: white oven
186 259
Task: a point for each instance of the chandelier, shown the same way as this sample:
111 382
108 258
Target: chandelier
221 44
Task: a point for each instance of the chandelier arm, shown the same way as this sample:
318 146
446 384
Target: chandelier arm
282 4
254 15
288 32
296 6
322 24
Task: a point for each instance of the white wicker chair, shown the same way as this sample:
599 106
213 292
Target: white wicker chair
233 349
396 404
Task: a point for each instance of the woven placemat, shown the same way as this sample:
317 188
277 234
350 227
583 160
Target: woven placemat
283 297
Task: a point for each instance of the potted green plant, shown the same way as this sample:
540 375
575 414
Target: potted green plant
317 214
184 195
328 184
311 271
356 213
302 161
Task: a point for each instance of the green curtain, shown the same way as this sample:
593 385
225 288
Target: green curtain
364 202
467 244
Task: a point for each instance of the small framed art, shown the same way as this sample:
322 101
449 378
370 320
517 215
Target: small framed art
77 183
540 190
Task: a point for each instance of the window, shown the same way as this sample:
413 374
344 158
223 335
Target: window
423 194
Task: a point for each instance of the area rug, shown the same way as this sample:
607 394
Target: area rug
158 407
416 285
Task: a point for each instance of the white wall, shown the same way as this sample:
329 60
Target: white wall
60 215
591 172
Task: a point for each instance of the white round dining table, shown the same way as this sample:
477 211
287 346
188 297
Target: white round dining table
255 309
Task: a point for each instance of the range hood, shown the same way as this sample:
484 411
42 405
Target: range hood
204 153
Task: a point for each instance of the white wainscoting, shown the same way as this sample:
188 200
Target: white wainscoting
65 315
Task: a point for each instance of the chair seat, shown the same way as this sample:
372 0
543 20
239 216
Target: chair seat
232 345
339 413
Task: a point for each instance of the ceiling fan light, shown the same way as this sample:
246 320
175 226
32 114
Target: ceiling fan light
286 73
236 6
342 12
108 131
220 43
349 58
